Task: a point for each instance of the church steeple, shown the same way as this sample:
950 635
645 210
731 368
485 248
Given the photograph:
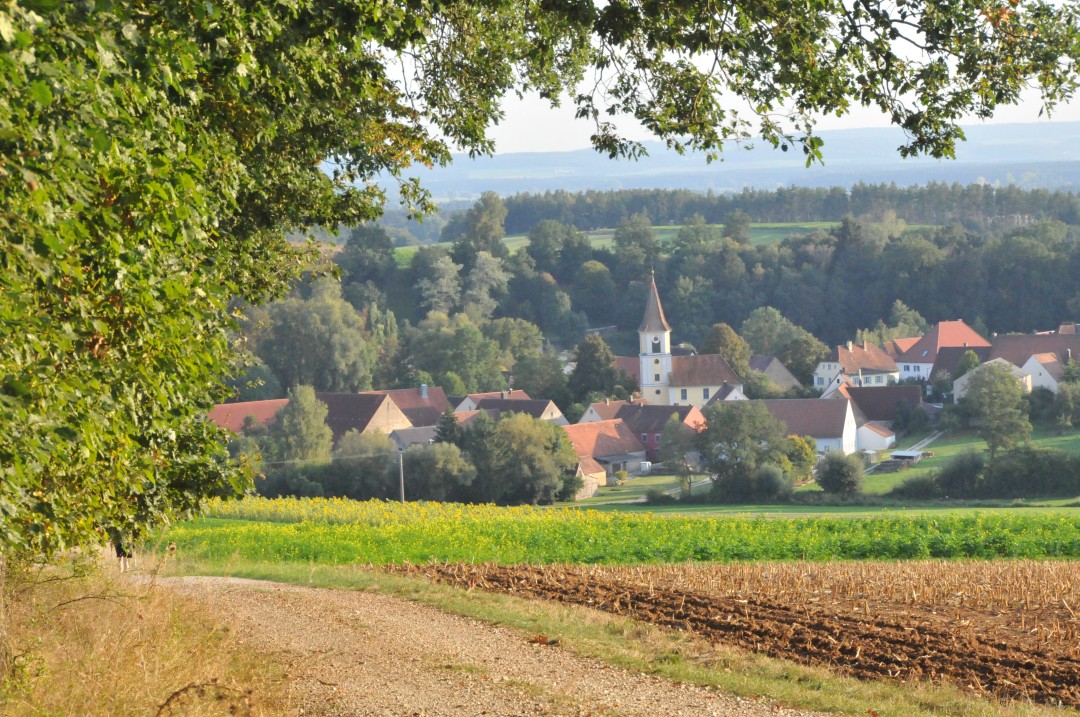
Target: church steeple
654 342
654 320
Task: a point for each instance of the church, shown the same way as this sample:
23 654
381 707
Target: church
668 379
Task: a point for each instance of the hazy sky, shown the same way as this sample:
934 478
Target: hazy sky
532 126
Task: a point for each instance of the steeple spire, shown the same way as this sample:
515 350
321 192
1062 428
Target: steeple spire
654 313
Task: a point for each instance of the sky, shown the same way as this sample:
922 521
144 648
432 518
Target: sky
532 126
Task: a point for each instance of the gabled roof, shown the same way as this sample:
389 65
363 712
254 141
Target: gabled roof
810 416
652 419
1018 348
949 356
532 407
879 403
701 370
776 371
421 409
895 348
1053 366
607 410
230 416
405 437
944 333
357 411
654 313
855 358
879 428
603 438
516 394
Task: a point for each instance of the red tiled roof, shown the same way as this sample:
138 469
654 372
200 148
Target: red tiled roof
631 365
895 348
866 357
355 411
949 356
812 417
607 410
702 370
652 419
1018 348
516 394
230 416
421 410
944 333
533 407
603 438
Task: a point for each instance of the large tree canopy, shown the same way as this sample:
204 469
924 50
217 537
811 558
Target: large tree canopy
153 155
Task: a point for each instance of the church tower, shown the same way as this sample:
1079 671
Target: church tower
654 349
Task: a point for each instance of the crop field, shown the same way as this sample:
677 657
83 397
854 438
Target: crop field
1004 629
342 532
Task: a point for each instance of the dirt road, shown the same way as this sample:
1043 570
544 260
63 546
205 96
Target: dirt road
353 653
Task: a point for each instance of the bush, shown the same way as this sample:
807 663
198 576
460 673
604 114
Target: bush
960 477
840 475
1031 473
771 483
655 496
917 488
765 483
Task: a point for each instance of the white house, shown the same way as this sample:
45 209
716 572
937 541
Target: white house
918 361
960 385
1044 370
831 423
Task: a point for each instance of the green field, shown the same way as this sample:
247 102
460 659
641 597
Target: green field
342 532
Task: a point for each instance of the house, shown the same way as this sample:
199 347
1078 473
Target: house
423 406
874 436
918 361
609 444
670 378
865 365
1055 349
606 410
537 408
232 416
468 403
647 422
775 371
948 359
831 423
727 392
960 385
363 412
1045 371
895 348
881 403
405 437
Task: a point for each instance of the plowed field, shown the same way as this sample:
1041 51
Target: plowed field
997 641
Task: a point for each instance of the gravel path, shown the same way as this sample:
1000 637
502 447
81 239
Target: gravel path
356 653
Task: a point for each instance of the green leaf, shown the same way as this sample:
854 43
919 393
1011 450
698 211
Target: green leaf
41 93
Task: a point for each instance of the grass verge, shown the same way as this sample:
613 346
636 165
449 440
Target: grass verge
645 648
91 642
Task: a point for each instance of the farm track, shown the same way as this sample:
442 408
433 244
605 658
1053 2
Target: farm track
884 644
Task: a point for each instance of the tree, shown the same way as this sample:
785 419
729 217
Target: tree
723 340
156 154
300 432
436 472
737 226
802 455
517 339
483 231
542 376
484 285
841 475
996 402
538 465
967 362
448 429
594 370
445 346
677 442
740 437
364 467
440 289
319 342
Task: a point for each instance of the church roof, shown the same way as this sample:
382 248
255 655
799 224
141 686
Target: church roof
654 313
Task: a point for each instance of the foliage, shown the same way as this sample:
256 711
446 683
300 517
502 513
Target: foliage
996 403
436 472
840 475
802 456
910 419
300 432
594 371
483 232
541 376
677 442
345 532
448 429
445 347
723 340
917 488
739 438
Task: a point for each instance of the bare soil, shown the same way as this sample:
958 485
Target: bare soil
891 642
357 653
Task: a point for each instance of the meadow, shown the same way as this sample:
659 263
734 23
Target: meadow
343 532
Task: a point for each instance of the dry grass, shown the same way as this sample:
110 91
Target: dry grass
91 642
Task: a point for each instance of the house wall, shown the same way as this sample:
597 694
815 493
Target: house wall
1038 375
870 440
591 484
696 396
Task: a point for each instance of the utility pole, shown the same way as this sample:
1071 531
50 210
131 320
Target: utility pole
401 473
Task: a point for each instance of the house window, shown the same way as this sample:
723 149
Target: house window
656 438
820 380
907 368
656 378
877 379
682 394
704 393
644 437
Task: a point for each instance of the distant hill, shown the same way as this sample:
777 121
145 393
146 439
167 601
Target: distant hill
1034 155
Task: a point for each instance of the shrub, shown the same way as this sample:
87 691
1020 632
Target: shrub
960 477
917 488
840 475
655 496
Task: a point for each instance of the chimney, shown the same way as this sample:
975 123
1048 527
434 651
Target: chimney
607 401
965 344
848 345
502 394
423 390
